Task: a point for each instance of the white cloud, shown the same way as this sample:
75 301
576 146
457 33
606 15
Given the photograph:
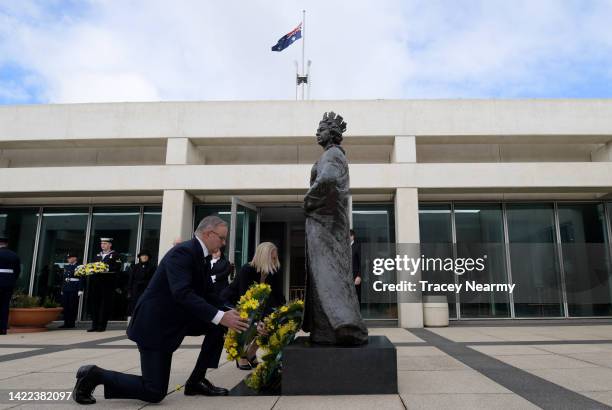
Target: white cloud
210 50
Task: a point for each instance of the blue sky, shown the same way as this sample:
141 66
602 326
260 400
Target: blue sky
152 50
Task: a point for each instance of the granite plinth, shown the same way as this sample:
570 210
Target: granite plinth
311 369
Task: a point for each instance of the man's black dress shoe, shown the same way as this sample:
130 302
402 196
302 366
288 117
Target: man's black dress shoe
92 330
204 388
85 385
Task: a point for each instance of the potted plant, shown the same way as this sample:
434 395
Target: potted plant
27 313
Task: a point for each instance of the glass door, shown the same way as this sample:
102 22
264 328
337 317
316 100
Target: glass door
63 230
244 232
121 224
534 260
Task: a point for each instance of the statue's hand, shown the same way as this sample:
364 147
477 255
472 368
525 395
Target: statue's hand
311 200
307 205
311 204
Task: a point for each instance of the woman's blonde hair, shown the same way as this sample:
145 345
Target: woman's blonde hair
263 261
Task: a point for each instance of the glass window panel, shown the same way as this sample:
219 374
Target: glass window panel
246 225
374 224
437 242
121 224
480 232
19 224
586 259
62 231
534 262
151 224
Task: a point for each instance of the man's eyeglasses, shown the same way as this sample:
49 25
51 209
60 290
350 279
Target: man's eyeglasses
221 238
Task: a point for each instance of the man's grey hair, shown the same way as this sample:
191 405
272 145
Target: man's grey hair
209 223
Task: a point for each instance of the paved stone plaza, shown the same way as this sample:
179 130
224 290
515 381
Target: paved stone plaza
462 367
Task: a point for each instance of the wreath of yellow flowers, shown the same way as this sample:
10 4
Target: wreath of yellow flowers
282 326
250 306
91 269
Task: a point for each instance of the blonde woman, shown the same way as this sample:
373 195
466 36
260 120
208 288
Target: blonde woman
264 268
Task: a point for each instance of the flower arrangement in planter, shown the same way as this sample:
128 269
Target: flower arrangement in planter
28 314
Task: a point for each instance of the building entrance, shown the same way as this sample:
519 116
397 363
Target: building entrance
284 226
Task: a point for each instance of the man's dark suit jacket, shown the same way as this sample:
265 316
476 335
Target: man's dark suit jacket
221 271
179 298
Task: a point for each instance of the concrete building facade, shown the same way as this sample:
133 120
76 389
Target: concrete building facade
540 170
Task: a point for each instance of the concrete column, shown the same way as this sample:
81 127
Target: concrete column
180 151
404 149
407 232
407 224
602 154
176 220
177 205
4 162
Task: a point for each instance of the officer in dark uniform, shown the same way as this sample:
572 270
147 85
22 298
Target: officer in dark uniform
140 276
10 268
72 288
102 286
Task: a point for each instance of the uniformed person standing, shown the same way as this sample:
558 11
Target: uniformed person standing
102 286
72 288
140 276
10 268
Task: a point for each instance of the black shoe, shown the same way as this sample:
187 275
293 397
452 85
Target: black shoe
85 385
92 330
243 366
204 388
100 330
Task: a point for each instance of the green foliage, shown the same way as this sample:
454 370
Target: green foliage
49 302
22 300
281 326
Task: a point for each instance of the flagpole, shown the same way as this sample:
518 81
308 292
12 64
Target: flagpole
303 47
297 74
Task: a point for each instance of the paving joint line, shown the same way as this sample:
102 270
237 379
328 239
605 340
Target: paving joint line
535 389
402 401
275 402
47 349
516 342
580 360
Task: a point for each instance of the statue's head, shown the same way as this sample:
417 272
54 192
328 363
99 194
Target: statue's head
330 129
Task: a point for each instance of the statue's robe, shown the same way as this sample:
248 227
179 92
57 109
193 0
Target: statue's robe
332 310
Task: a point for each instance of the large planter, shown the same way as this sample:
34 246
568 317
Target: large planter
27 320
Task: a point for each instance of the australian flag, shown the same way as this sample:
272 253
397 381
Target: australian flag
288 39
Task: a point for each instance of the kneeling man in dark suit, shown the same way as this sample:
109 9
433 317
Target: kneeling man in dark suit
179 301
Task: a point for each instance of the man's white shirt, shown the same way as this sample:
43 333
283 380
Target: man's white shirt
217 319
